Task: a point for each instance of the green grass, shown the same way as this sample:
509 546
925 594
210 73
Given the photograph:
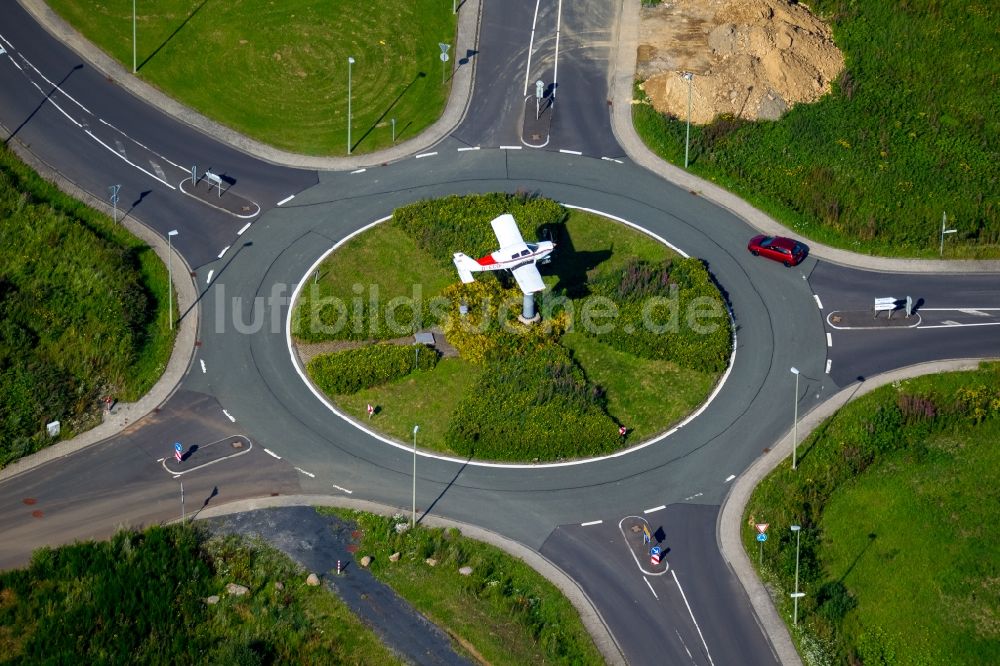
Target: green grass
504 610
896 498
278 71
427 399
139 598
647 396
910 131
83 312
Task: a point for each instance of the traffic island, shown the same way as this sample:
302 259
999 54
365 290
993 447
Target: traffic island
215 190
538 112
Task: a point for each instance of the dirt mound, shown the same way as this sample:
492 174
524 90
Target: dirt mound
751 58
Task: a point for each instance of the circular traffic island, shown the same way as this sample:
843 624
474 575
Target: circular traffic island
398 329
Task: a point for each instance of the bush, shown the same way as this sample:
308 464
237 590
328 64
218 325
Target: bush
538 401
352 370
461 223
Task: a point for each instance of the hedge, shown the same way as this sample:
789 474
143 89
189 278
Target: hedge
352 370
537 402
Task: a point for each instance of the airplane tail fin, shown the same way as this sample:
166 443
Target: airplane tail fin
466 266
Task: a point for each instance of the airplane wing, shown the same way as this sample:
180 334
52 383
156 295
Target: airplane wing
506 231
528 278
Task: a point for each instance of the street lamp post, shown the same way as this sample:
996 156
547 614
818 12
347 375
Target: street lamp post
413 515
795 421
795 596
133 38
350 61
688 76
170 277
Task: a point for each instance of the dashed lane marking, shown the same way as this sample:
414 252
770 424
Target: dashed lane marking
309 474
272 454
229 416
592 522
286 200
651 588
818 302
655 508
224 250
422 155
462 150
349 492
245 227
730 478
203 370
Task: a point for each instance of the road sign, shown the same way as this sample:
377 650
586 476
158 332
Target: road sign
797 595
444 57
655 550
762 537
177 446
654 559
444 47
178 455
371 410
646 537
540 93
762 527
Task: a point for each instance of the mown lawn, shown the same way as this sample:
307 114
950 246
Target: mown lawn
83 312
278 71
504 609
909 132
896 498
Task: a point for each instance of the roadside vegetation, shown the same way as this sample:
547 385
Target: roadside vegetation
83 312
278 71
504 391
910 131
141 598
503 608
896 497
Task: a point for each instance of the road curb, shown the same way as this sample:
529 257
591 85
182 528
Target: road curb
589 615
467 39
622 80
730 518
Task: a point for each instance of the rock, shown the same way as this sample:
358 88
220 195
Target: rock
236 590
312 580
366 560
431 562
212 600
465 571
278 585
394 557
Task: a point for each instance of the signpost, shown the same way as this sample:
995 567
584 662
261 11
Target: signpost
654 555
177 451
539 93
113 191
944 223
444 59
761 538
646 537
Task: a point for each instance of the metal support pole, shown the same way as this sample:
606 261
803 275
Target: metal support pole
134 70
170 277
350 61
182 501
795 613
413 515
795 421
688 76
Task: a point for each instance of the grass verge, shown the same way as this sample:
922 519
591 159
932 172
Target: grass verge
871 167
278 71
83 312
140 598
896 498
504 609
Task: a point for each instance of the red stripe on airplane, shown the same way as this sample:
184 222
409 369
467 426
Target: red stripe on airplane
488 260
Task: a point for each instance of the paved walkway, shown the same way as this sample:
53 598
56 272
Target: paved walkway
624 61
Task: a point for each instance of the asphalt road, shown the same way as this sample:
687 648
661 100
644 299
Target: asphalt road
250 376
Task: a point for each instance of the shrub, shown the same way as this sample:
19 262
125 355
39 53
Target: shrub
352 370
537 401
461 223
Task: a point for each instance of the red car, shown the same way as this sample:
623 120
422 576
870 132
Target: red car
787 251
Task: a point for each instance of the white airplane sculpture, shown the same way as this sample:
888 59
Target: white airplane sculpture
514 255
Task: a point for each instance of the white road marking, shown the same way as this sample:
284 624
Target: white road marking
425 155
570 152
161 460
829 340
229 416
655 508
730 478
611 159
948 322
49 81
510 147
651 588
953 324
688 499
286 199
309 474
272 454
690 656
245 227
818 302
124 159
684 596
208 280
121 147
555 69
362 170
224 250
203 370
468 148
976 313
829 362
531 42
593 522
349 492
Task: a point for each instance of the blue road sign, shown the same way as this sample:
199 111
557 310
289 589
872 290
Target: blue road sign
762 537
177 446
655 550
